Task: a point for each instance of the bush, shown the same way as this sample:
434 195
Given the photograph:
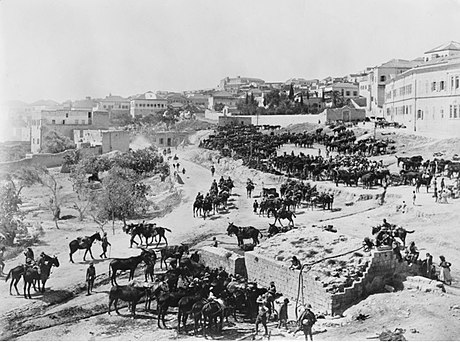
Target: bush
54 142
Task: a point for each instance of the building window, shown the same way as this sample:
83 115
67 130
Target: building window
347 93
355 93
383 78
53 122
450 112
452 82
419 114
38 141
66 115
433 86
33 139
161 141
63 122
441 85
441 111
457 83
455 111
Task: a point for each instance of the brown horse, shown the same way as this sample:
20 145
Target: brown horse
31 274
283 214
15 274
83 243
242 233
210 312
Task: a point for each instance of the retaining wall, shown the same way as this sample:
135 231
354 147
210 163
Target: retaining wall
383 269
215 257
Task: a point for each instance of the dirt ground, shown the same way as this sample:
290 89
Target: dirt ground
64 312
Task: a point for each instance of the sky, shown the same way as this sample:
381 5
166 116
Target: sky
68 49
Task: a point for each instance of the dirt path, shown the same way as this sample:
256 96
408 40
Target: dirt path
66 313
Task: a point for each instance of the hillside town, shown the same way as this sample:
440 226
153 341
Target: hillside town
249 209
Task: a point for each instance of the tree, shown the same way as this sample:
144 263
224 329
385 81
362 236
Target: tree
218 107
55 198
82 188
123 196
54 142
291 92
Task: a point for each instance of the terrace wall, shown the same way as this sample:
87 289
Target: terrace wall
215 257
383 269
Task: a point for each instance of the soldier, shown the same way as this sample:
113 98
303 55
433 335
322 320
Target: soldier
105 243
255 206
283 312
306 321
213 169
90 276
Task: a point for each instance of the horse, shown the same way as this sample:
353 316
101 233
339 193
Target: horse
242 233
15 274
424 180
197 207
130 264
273 230
282 214
166 300
172 251
394 232
210 312
249 187
83 243
131 294
185 306
31 274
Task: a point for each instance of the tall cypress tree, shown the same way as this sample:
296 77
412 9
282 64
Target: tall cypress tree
291 92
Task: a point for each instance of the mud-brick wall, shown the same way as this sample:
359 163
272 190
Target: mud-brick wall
263 270
215 257
384 268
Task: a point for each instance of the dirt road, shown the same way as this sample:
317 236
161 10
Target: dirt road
64 312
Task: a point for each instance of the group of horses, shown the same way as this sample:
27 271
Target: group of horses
187 287
215 200
35 276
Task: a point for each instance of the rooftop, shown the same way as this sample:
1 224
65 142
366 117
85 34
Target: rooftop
452 45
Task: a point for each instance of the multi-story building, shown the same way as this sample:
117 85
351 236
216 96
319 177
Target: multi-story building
224 98
114 105
233 85
109 140
445 50
64 121
373 87
426 97
345 90
147 104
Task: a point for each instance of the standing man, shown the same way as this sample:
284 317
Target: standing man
213 169
105 243
262 315
306 321
90 276
414 197
283 312
255 206
2 263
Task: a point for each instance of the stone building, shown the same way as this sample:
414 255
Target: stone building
427 97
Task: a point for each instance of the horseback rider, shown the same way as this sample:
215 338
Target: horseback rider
221 181
199 197
30 261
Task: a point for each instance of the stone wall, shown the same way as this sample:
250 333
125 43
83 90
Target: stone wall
263 270
215 257
383 269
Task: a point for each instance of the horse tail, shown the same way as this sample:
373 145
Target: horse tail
109 272
410 231
8 276
294 215
169 230
261 235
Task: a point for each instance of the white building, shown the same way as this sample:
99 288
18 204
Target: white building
373 87
427 97
147 104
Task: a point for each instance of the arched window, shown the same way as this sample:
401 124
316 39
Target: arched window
383 78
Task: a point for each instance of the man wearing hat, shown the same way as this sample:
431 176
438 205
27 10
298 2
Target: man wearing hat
90 276
105 243
306 321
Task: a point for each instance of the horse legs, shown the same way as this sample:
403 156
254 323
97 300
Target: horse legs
91 253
